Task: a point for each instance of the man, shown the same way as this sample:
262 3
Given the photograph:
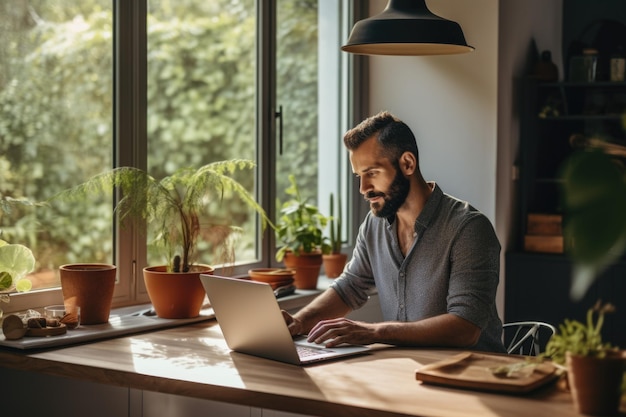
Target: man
433 259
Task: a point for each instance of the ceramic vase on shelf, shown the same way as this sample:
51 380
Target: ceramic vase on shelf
89 286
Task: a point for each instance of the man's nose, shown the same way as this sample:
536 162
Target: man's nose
364 186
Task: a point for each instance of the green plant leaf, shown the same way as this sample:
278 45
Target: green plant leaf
16 261
300 226
580 338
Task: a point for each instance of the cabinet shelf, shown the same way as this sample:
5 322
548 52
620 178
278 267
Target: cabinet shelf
544 180
557 119
584 102
592 84
582 117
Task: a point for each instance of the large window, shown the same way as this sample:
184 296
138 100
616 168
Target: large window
164 84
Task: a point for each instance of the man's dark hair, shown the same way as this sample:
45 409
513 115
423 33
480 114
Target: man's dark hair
392 134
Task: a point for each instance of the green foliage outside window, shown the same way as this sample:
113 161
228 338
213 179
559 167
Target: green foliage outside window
56 103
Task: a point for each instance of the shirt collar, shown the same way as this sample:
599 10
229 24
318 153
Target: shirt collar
428 212
430 208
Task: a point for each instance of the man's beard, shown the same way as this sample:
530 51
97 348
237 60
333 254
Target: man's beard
394 197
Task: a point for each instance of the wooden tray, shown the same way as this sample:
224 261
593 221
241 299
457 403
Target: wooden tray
47 331
484 372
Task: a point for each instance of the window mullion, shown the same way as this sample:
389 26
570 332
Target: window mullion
130 141
266 122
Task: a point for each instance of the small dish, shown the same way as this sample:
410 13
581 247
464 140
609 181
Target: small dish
47 331
270 275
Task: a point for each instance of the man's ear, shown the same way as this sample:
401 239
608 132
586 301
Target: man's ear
408 163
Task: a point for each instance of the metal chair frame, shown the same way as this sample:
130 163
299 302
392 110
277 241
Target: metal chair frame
527 333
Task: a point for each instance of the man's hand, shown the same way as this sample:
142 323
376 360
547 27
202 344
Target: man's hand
443 330
334 332
293 324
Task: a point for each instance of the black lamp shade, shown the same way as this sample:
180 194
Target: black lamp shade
406 27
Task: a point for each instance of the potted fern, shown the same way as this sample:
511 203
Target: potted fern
334 260
595 370
299 229
176 212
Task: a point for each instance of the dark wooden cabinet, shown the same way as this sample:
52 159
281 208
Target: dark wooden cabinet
556 119
537 288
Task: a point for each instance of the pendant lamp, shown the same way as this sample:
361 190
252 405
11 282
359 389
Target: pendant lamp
406 27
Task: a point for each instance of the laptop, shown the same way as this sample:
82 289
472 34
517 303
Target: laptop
251 322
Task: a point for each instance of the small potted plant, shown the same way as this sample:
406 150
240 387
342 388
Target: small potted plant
176 211
334 260
299 230
595 370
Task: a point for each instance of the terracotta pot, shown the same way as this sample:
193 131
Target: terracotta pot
175 295
595 383
276 277
334 264
89 286
307 267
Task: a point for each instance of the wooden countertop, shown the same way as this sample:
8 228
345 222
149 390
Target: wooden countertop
194 361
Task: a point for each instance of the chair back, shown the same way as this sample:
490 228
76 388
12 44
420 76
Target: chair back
527 337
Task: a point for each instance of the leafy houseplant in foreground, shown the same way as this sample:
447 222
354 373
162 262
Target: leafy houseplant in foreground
177 211
594 200
299 230
595 369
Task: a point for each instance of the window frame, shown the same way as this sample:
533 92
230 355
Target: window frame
130 142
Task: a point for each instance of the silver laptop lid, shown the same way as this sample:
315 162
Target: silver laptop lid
250 318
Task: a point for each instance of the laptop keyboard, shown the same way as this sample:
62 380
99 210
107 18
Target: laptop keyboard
305 352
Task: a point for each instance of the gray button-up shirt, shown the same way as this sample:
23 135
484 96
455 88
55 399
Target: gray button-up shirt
452 267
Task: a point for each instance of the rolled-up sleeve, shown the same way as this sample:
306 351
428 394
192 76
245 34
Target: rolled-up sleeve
474 274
